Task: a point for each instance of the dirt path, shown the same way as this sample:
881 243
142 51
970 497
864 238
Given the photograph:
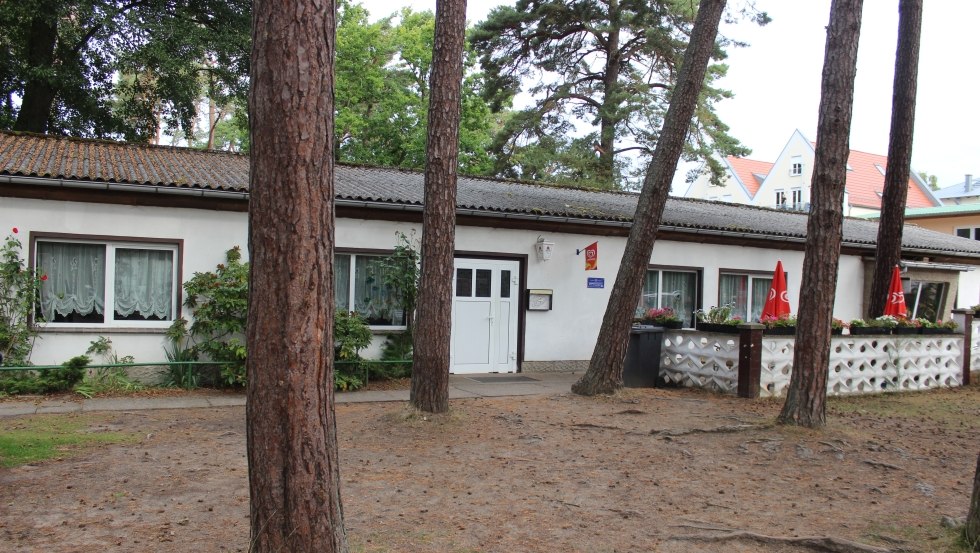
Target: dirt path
633 472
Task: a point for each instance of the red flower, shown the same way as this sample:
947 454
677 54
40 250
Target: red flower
44 277
15 230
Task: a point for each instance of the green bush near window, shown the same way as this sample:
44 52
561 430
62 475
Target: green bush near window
19 288
219 300
44 382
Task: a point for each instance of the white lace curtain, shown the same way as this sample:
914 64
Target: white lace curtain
76 279
142 283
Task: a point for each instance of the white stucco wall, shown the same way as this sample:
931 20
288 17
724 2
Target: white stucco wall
207 235
567 332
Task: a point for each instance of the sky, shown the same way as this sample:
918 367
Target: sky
776 79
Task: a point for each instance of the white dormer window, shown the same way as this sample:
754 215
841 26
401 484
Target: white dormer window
796 166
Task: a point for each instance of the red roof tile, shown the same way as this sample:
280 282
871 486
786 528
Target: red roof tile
747 169
865 182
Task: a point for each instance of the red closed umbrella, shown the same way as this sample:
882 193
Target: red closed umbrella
777 304
895 306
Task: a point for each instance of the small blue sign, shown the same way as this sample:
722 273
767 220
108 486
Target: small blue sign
596 282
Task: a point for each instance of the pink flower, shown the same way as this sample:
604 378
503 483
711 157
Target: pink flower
44 277
15 230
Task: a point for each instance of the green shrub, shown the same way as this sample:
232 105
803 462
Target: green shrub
219 300
46 381
19 289
107 379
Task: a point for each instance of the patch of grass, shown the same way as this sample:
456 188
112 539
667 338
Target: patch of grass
32 439
917 538
949 406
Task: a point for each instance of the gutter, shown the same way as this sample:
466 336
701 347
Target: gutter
389 206
119 187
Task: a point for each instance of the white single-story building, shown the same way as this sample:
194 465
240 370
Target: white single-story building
121 225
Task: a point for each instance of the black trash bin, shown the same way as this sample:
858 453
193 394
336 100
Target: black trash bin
642 365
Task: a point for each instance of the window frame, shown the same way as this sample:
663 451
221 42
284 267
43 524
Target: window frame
751 274
796 166
698 287
112 243
974 232
352 277
796 194
780 197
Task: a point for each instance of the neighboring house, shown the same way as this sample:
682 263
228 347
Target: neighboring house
118 228
786 183
741 181
958 220
966 192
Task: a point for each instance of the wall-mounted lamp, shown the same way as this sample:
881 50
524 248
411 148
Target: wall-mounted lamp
543 248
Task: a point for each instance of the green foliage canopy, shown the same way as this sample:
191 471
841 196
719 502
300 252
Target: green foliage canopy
609 66
117 68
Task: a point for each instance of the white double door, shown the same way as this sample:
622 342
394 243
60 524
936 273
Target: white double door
485 309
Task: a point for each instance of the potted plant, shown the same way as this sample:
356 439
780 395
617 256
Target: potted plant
904 325
949 327
929 327
664 316
718 319
837 326
783 325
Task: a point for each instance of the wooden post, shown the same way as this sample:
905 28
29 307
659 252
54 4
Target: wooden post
964 322
749 359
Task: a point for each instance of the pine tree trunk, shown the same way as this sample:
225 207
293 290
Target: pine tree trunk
971 533
39 90
431 337
294 478
605 373
610 101
807 393
889 249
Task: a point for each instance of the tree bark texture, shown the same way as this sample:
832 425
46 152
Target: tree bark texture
971 532
431 339
889 248
807 393
294 480
605 373
611 98
39 90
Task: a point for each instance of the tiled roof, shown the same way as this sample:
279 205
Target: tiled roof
943 211
750 171
105 161
865 182
90 160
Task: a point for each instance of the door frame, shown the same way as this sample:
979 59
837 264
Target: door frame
522 286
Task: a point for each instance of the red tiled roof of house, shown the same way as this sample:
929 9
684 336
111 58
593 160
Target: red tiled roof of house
865 182
747 169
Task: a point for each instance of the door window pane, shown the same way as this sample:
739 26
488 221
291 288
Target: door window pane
679 292
734 290
504 284
483 279
464 283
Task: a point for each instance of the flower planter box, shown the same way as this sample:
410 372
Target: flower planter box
780 331
869 331
672 325
907 330
716 327
836 331
938 331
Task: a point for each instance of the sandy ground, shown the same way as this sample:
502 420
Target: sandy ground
639 471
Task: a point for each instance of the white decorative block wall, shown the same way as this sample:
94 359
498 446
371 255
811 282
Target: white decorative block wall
700 360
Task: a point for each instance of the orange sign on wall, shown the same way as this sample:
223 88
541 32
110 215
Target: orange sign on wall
592 256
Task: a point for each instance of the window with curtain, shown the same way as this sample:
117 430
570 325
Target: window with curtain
106 283
675 289
359 285
747 293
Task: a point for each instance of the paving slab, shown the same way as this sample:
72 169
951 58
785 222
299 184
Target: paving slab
460 387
